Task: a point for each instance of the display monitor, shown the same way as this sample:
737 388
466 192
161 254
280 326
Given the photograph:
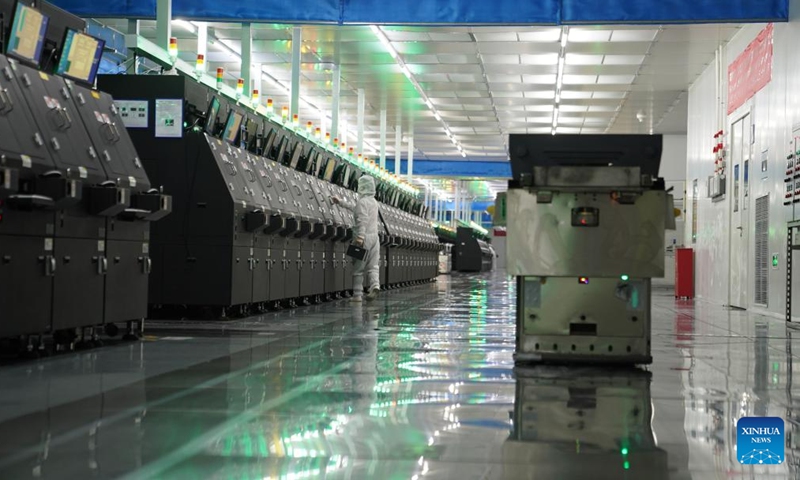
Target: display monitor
6 14
80 57
330 167
269 141
211 116
317 165
298 150
354 176
305 160
26 35
348 170
232 126
59 22
282 150
252 129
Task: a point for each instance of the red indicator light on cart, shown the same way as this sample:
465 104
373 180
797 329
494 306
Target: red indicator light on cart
583 281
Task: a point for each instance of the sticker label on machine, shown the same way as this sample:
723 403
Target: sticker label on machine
169 118
134 113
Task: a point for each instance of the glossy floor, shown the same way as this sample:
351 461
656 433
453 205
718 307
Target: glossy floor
419 384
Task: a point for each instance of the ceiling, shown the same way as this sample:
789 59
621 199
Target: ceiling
483 82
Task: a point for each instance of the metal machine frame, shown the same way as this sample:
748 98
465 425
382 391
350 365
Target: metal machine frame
587 216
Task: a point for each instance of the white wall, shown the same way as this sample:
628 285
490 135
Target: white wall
774 109
673 158
673 171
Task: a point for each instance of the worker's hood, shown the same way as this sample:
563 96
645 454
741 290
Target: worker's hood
366 186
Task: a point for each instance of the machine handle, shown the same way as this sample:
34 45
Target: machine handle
111 133
7 104
64 114
50 265
102 264
147 265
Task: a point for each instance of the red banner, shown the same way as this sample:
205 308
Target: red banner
751 71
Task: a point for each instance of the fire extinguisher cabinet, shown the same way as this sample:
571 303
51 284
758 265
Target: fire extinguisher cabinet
684 273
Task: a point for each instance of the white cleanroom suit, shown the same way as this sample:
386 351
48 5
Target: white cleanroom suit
366 229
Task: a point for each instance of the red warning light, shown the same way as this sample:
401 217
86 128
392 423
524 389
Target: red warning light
583 280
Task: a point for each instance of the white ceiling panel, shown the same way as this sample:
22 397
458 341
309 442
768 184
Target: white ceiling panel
589 35
540 59
616 79
508 36
539 79
501 59
608 95
583 59
623 59
579 79
634 35
542 35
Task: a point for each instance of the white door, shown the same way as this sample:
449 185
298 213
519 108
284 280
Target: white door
739 171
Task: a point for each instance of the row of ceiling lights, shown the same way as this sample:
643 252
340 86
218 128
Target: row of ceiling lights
404 68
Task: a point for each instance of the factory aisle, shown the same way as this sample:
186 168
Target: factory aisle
419 384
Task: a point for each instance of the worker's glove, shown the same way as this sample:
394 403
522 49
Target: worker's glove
335 200
359 242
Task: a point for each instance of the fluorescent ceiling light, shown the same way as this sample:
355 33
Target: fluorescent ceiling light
564 38
437 116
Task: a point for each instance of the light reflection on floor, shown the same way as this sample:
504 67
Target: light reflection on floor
419 384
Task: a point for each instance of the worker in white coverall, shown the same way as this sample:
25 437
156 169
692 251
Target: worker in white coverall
365 233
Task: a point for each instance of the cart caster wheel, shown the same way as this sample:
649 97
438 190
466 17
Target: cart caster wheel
111 329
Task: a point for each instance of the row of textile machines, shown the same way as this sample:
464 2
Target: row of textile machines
128 196
468 247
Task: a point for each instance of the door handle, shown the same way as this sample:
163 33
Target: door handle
102 265
50 265
147 265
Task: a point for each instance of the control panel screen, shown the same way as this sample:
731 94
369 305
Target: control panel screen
26 38
232 126
329 169
80 57
298 150
211 115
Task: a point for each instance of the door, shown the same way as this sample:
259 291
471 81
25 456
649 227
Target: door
741 148
126 281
